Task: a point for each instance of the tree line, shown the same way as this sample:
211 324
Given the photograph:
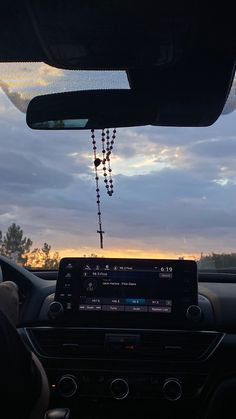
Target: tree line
16 246
217 261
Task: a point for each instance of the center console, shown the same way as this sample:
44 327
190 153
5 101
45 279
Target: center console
125 331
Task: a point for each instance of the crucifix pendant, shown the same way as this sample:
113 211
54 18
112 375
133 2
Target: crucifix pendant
101 232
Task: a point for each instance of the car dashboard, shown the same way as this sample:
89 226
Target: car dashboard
167 346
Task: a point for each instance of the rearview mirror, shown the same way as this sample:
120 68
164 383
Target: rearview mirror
90 109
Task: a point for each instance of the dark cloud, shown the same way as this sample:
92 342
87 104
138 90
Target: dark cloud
216 148
172 201
19 173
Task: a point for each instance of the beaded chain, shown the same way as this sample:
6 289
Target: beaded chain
107 171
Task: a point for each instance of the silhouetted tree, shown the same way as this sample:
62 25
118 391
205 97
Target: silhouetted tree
14 245
217 261
43 258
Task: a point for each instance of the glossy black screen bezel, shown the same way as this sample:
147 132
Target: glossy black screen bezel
185 294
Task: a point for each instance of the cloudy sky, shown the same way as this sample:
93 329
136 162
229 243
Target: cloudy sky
174 188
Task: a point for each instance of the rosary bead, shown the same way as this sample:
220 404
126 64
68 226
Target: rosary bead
97 162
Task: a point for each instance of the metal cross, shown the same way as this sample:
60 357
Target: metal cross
101 232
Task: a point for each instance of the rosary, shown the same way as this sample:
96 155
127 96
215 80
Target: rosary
107 147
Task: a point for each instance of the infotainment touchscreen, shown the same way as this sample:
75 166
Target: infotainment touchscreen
98 288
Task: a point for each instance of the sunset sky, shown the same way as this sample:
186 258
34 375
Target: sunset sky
174 188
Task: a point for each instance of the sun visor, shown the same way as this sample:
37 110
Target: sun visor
115 34
191 94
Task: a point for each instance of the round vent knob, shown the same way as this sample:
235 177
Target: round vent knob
172 389
55 310
194 313
119 388
67 386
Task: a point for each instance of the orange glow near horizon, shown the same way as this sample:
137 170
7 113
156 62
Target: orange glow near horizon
124 253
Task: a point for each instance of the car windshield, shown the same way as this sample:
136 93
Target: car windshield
174 188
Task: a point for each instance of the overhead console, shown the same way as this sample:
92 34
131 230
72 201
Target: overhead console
137 293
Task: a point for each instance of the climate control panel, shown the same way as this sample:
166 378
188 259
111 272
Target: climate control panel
120 386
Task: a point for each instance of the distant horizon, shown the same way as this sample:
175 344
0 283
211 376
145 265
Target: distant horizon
123 253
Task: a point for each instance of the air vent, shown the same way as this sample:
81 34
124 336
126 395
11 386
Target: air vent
156 345
63 343
187 346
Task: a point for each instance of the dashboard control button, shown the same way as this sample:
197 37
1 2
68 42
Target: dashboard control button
55 310
67 386
172 389
69 266
119 388
194 313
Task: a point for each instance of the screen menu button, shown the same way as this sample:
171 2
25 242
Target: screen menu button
159 309
88 307
113 308
136 309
